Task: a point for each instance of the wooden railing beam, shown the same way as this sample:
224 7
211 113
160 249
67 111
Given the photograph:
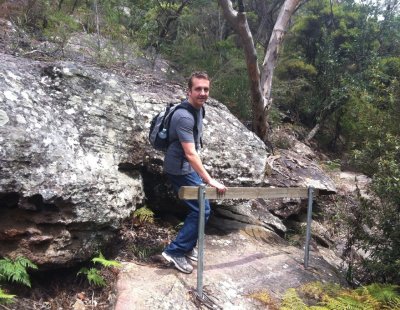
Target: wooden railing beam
191 192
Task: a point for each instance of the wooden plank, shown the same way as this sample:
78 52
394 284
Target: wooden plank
191 192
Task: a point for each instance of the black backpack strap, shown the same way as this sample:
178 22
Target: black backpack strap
195 130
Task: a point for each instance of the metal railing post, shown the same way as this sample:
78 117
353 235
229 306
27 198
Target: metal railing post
308 232
200 262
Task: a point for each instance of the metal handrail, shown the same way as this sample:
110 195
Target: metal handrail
202 193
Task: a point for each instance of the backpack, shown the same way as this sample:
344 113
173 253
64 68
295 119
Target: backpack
159 127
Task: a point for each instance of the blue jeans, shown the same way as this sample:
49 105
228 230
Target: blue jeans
186 239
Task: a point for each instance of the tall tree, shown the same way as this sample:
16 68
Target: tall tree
260 81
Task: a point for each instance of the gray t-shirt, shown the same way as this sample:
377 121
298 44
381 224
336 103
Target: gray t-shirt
181 130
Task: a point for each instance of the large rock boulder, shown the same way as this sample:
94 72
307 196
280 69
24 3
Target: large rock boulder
75 160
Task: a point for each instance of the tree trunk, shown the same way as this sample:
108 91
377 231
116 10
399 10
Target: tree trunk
74 6
275 41
238 21
60 3
260 85
313 132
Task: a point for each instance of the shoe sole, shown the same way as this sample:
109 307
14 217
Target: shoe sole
169 259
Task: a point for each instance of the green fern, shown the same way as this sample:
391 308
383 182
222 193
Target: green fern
16 270
105 262
144 215
392 305
292 301
333 297
385 294
317 290
93 275
6 298
346 303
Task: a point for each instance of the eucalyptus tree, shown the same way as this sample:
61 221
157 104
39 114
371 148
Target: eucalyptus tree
260 80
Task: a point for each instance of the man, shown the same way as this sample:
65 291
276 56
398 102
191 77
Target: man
183 167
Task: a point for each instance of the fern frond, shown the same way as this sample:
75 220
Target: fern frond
392 305
352 302
105 262
144 215
292 301
93 275
24 262
266 298
6 298
346 302
383 293
15 270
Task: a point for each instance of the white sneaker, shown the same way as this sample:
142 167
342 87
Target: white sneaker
180 262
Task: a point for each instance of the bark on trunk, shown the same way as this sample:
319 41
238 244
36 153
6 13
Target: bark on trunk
238 21
260 84
271 56
313 132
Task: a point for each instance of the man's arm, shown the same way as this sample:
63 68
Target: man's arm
194 160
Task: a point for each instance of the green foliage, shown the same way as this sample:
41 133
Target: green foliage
318 290
105 262
291 300
60 27
93 275
144 215
332 164
332 297
296 68
377 231
386 295
333 71
144 252
16 270
265 298
29 15
5 298
354 96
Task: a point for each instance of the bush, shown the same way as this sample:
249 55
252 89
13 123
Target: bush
60 28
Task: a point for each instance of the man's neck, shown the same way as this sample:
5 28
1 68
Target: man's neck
193 105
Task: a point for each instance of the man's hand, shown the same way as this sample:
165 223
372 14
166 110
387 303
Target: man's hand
193 157
221 188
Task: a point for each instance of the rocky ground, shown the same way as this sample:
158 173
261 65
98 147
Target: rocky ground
238 265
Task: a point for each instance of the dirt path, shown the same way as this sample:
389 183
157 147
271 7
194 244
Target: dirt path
236 265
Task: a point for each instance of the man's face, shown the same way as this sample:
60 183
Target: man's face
198 94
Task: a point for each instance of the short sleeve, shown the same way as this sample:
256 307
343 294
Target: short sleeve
184 129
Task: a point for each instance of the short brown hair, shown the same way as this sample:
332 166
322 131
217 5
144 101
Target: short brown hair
197 75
